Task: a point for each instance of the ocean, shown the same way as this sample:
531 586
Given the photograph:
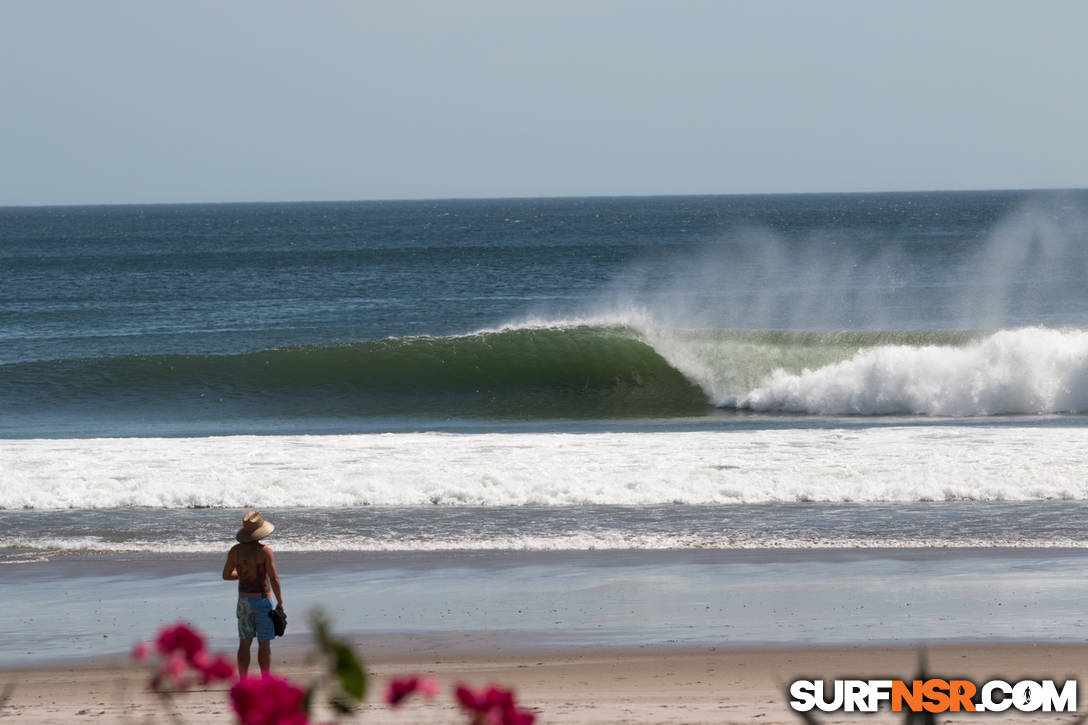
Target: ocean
844 370
544 377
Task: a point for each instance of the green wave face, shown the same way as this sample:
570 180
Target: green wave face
526 373
575 372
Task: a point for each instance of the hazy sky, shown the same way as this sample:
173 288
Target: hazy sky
237 100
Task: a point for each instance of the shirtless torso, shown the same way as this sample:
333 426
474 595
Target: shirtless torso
254 566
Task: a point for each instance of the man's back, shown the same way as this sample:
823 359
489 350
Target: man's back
251 562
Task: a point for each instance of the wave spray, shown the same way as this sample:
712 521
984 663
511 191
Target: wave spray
854 325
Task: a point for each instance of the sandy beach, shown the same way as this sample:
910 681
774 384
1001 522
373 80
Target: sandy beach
643 685
589 637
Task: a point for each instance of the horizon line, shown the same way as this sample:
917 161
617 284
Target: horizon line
560 197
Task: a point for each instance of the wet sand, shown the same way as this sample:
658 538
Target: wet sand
585 637
77 607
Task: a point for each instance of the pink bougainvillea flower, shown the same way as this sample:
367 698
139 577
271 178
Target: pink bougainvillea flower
221 669
184 660
180 638
175 666
468 698
517 717
401 687
170 674
491 698
428 688
492 706
201 660
211 670
268 700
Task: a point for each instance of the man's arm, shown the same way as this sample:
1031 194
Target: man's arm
274 577
230 571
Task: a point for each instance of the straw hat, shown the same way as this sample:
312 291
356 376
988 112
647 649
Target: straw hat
254 527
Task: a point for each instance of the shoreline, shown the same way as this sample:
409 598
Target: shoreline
320 560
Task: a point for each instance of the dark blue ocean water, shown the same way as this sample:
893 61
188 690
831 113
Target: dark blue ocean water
552 393
376 315
674 372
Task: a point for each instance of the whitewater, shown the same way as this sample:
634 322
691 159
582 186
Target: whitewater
841 371
887 462
948 373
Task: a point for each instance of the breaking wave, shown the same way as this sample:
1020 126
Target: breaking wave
587 371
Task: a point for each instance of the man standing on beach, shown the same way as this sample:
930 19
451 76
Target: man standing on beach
252 564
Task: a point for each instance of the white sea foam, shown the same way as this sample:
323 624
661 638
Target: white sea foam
30 550
898 463
1026 371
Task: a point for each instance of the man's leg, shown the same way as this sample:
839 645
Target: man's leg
264 656
243 655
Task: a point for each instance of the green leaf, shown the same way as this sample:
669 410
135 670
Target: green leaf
349 671
320 625
343 663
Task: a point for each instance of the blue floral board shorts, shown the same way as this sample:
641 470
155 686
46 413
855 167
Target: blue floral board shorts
253 619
